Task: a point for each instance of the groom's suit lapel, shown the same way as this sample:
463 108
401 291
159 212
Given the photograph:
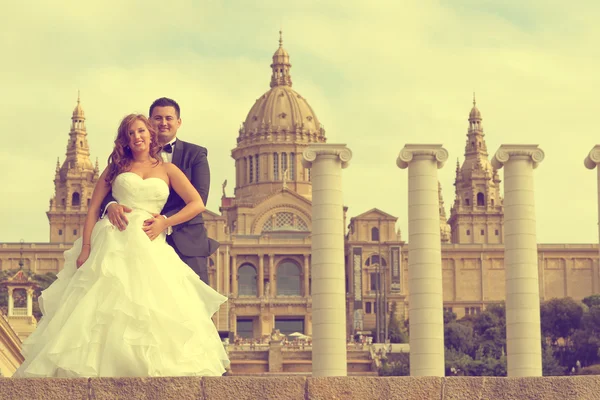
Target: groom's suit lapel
178 153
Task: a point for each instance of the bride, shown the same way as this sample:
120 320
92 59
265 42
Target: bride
125 304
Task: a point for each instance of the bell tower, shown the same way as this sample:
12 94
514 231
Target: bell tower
74 183
477 214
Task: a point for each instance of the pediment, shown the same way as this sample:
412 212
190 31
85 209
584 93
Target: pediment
283 196
375 214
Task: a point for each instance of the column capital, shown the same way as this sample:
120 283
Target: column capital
409 151
506 151
593 158
310 154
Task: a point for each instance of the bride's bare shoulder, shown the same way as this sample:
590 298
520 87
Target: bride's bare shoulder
171 168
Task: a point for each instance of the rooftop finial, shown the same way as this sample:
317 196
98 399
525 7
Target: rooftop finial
78 95
280 38
474 99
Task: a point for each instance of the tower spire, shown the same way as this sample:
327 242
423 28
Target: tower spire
281 66
477 190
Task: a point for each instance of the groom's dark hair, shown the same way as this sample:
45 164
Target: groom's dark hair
165 102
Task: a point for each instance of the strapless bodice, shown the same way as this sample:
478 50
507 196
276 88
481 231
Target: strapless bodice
133 191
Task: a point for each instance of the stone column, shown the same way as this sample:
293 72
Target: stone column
226 272
306 276
29 302
523 337
234 276
591 162
261 275
327 248
272 290
218 273
11 302
426 306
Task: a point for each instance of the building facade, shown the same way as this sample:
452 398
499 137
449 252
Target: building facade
264 227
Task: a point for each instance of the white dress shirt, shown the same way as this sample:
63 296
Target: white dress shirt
168 157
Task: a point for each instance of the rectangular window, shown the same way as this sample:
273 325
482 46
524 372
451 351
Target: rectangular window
251 169
287 325
257 167
468 232
292 167
368 308
275 166
373 279
482 232
245 328
284 164
497 233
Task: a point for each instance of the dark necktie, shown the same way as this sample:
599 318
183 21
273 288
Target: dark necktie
168 147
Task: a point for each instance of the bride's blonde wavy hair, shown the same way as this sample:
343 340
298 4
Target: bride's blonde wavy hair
121 156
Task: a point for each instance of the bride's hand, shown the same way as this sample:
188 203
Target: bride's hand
83 256
154 226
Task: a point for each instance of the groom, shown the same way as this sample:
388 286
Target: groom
189 239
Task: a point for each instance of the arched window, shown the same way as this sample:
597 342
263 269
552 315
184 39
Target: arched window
284 221
492 201
288 279
374 259
374 234
480 199
247 280
75 199
467 202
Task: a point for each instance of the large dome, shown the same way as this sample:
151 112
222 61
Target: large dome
281 110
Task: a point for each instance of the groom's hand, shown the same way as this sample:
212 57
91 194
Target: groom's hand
116 215
154 226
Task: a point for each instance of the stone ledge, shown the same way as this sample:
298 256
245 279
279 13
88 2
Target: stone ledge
302 388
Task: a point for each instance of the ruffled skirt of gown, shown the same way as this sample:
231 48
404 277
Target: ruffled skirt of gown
132 309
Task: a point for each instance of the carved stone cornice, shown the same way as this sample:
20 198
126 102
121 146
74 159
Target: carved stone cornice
506 151
310 154
593 158
410 151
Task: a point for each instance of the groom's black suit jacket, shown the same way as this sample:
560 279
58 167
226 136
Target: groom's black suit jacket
190 238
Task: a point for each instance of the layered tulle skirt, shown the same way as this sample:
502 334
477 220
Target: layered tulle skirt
132 309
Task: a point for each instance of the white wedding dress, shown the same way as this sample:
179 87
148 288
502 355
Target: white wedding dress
132 309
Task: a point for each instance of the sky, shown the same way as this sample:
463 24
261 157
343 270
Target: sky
378 74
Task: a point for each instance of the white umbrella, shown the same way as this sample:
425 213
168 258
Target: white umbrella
296 334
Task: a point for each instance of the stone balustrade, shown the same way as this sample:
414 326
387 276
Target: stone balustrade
301 388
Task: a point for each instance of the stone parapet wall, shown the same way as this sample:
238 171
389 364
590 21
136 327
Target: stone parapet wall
301 388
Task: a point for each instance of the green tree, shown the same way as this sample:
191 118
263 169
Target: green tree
459 337
550 365
397 333
560 318
591 301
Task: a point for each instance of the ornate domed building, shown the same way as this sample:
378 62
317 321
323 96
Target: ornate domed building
264 227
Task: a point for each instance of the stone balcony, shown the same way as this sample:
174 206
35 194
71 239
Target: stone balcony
302 388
